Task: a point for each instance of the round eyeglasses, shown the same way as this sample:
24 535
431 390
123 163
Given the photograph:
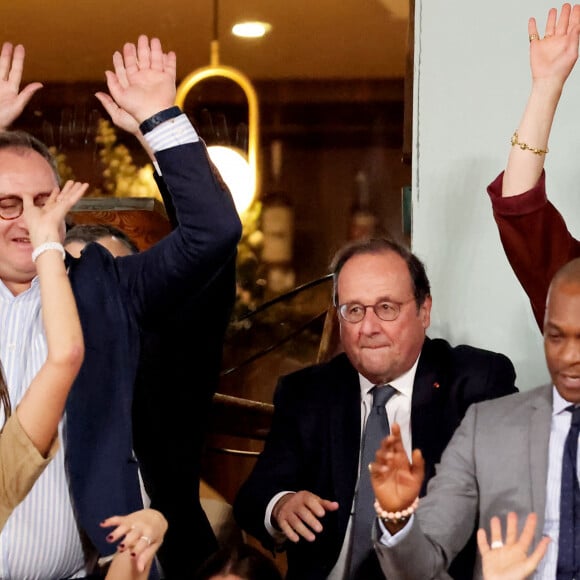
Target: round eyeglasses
12 206
354 312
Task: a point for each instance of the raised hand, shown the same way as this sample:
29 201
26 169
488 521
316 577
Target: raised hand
510 560
141 534
298 514
12 99
44 214
396 482
142 84
553 56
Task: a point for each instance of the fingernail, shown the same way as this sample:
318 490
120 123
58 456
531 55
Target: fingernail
110 538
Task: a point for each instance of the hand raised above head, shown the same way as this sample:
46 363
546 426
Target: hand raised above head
396 482
12 99
143 82
554 55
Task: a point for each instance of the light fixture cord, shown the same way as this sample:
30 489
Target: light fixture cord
215 19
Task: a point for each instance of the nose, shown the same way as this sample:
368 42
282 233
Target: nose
370 323
571 352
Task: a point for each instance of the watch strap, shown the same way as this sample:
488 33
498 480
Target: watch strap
149 124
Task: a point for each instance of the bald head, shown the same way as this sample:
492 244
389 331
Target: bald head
569 272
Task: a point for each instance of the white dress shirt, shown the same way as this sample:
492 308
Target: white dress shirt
560 426
398 409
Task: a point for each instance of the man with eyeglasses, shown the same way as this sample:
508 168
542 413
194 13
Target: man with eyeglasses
301 494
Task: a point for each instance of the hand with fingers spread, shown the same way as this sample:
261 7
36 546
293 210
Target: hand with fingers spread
45 214
510 560
298 515
553 57
141 534
396 482
142 84
12 99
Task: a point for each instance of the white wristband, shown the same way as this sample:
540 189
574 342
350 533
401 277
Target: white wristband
45 247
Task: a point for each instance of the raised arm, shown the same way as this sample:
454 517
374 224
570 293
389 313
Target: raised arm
552 58
41 408
12 99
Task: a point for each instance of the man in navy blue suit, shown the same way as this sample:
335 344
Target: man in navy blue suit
300 494
95 475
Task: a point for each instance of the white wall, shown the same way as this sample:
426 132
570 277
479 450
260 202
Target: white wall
471 82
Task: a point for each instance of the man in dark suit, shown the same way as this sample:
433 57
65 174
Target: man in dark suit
96 474
170 431
301 492
172 484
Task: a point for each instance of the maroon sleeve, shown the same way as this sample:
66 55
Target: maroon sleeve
534 237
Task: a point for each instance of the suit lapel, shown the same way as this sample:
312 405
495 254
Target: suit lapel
539 442
429 429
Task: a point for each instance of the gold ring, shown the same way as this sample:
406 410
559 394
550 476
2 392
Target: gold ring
147 539
533 37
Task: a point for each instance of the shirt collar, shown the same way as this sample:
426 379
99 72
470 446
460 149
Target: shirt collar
403 384
559 404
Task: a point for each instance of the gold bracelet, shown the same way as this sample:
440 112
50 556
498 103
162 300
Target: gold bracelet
525 146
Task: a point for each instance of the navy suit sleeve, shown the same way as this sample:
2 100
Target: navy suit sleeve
206 235
275 469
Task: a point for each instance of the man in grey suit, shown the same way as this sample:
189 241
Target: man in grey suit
506 456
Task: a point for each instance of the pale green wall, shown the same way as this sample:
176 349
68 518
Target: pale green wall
470 86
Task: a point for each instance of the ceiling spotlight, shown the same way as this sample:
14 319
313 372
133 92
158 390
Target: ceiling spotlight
253 29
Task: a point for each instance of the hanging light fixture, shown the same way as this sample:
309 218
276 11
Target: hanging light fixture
238 168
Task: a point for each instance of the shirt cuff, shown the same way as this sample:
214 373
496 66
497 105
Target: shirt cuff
171 133
276 534
389 540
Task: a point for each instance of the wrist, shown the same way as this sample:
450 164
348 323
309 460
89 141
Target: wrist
46 247
276 509
398 517
160 117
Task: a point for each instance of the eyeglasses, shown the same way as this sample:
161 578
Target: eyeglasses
353 312
11 206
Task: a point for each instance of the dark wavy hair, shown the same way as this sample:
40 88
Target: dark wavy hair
4 396
243 560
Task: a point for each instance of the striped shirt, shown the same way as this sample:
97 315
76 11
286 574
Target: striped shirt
561 420
41 539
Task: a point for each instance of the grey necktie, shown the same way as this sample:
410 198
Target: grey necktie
363 562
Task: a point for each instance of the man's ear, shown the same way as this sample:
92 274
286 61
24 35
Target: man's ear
425 312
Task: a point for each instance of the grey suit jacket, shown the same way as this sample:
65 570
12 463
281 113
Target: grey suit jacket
496 462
